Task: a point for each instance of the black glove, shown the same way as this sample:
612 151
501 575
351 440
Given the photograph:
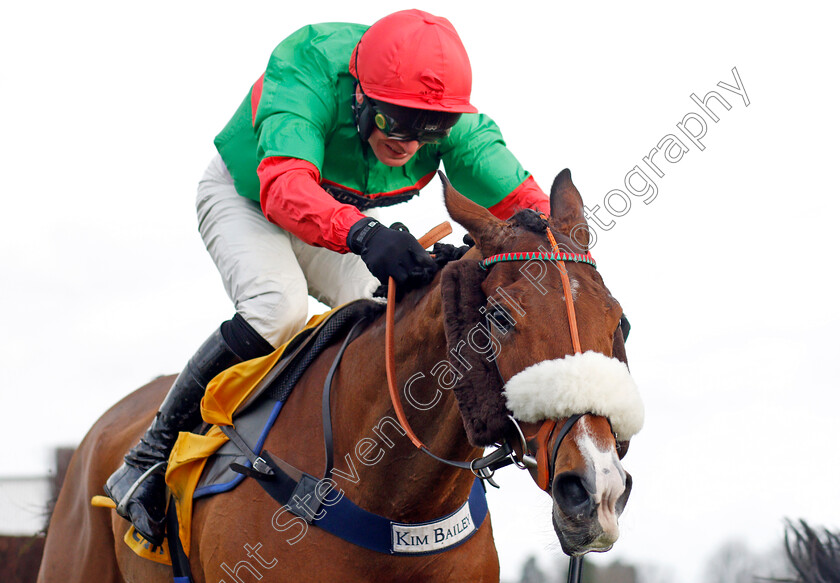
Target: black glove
389 252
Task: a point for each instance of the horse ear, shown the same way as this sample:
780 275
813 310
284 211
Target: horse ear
567 208
481 224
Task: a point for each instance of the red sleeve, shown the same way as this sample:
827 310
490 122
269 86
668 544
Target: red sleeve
527 195
291 197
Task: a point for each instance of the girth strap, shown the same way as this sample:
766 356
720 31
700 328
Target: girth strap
320 504
181 572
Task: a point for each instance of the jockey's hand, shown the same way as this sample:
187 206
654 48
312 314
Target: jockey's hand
391 253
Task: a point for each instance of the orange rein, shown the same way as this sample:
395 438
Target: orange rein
430 238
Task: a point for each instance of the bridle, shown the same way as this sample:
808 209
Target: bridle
540 442
534 447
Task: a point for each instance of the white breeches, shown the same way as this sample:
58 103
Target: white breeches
268 272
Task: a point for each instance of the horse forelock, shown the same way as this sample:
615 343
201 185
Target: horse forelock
530 220
527 221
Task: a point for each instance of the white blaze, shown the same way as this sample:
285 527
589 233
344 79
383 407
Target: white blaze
609 482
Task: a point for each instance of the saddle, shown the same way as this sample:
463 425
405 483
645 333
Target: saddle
262 405
248 396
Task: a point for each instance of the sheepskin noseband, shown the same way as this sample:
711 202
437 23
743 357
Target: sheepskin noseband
578 383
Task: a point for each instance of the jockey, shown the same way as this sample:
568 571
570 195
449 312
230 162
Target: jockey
345 118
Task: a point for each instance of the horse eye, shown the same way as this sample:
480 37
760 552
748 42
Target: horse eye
624 324
500 318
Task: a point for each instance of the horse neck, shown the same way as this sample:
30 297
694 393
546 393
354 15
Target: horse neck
395 478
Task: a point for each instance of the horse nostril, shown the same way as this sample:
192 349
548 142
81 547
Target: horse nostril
622 500
570 494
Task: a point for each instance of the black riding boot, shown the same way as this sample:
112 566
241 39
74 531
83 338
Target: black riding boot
138 486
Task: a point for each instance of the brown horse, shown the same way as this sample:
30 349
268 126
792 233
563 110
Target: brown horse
244 534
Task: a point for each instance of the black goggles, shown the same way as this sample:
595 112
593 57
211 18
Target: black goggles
407 124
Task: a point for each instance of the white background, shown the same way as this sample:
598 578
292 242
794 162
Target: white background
107 118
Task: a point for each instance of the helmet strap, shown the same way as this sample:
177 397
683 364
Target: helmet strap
364 113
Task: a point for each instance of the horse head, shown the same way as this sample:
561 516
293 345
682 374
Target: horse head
553 377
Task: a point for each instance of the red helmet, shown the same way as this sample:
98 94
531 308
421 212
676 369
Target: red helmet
414 59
